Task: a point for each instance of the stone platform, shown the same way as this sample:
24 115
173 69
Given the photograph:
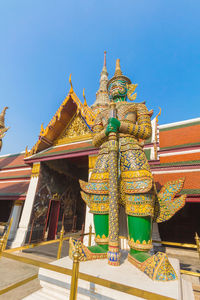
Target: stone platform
57 286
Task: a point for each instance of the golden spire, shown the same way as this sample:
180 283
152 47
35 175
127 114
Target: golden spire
102 93
104 63
118 71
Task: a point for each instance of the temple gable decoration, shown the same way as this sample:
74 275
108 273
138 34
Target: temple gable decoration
76 130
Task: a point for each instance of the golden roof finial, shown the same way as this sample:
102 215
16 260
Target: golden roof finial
26 151
85 102
41 129
70 81
118 71
158 115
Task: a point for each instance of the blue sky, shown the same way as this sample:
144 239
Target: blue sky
42 42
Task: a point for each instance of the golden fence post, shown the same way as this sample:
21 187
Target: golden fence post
82 232
90 236
198 243
5 238
61 242
1 246
75 271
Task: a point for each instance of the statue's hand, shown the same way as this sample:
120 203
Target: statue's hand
113 125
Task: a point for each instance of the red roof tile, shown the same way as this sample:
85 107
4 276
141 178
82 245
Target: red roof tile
12 161
13 188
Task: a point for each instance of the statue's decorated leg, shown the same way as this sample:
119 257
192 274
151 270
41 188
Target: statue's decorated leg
95 195
139 229
101 234
157 267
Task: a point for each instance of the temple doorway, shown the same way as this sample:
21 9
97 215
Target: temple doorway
5 210
58 201
52 219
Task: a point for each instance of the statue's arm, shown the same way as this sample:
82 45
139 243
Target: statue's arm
99 133
142 129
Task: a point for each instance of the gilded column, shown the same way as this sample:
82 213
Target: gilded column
113 253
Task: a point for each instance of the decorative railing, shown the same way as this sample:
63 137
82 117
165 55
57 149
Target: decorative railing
75 274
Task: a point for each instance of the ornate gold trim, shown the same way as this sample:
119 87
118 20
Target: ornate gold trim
76 130
18 202
91 161
91 256
144 246
136 174
76 139
157 267
101 240
35 170
99 208
141 209
99 176
131 88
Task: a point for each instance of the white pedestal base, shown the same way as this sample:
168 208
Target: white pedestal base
57 286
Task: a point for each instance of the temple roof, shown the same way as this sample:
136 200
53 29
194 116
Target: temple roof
179 156
69 109
13 190
14 177
13 161
180 134
76 149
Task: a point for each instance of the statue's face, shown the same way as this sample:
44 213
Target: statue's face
117 90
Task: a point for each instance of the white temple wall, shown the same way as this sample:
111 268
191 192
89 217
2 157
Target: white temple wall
88 221
15 215
27 210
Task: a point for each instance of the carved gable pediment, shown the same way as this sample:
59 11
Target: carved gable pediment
76 130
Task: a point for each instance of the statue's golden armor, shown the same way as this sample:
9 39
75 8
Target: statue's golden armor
134 172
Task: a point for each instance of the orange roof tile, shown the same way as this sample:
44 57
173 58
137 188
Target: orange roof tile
191 179
180 158
179 136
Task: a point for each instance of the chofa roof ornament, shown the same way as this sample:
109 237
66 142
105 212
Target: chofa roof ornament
3 129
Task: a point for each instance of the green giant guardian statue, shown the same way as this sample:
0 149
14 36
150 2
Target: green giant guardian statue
122 176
